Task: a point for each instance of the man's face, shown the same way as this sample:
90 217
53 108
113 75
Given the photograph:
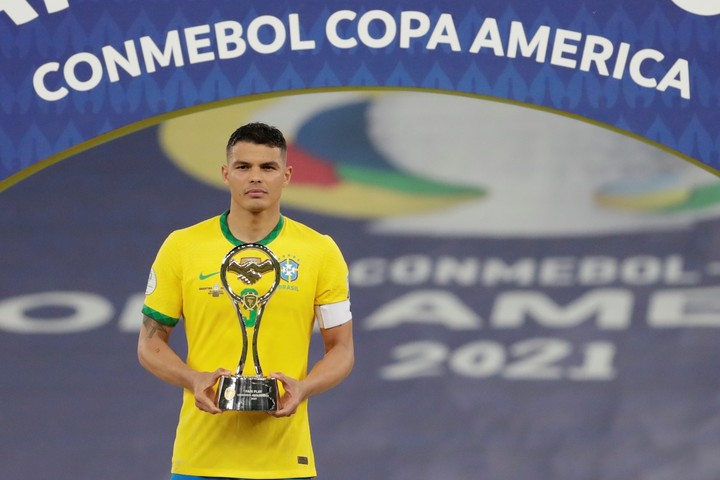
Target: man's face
256 175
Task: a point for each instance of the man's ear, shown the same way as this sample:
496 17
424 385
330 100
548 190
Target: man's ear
224 173
288 174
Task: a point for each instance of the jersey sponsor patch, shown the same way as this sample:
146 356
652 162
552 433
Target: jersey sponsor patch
205 276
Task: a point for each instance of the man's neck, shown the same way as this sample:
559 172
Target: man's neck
252 227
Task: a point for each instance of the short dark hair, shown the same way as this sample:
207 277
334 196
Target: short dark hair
260 134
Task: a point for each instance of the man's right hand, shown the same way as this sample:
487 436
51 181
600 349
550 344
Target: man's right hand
204 390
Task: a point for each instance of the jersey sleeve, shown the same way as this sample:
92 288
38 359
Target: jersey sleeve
163 294
333 278
332 302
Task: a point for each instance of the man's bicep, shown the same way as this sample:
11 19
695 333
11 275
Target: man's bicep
337 335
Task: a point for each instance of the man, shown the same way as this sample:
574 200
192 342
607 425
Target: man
184 283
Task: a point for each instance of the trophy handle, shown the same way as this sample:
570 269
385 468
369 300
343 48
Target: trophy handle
243 328
256 330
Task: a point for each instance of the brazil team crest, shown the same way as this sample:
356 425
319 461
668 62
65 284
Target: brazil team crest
289 270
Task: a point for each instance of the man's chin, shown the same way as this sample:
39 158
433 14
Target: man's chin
256 206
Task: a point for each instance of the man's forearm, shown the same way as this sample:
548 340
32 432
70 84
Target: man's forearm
332 369
157 357
336 364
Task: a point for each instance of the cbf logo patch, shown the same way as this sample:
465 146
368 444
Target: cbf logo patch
289 270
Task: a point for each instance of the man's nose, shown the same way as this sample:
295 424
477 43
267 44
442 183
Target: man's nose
255 175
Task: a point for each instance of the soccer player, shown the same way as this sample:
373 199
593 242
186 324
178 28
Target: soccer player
184 283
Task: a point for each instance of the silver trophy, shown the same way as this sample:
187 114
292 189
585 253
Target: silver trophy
250 274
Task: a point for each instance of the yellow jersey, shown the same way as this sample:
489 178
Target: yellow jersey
185 284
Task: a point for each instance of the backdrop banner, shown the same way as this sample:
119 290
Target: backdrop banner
524 191
76 73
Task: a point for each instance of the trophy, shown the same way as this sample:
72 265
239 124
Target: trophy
250 274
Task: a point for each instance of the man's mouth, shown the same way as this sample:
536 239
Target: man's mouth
255 192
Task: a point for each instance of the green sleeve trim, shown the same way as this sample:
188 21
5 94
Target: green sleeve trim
159 317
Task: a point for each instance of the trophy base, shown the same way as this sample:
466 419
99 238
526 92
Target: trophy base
247 394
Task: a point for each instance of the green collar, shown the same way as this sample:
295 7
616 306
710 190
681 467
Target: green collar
265 241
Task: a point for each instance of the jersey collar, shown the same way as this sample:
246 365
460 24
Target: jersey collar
265 241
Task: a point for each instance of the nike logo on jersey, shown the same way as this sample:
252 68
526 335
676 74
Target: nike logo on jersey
205 277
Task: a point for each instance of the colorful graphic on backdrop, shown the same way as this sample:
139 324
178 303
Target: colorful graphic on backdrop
430 164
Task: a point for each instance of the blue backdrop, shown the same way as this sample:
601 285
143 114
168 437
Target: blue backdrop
534 289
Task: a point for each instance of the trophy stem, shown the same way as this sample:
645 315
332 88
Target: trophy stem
243 329
256 330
